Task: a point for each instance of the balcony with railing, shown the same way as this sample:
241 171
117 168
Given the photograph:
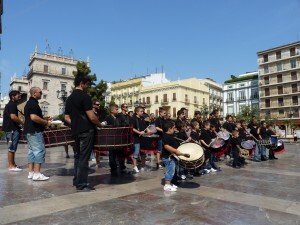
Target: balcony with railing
230 100
242 98
174 99
148 103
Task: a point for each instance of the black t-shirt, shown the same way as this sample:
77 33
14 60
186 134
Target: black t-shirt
168 139
182 135
206 136
270 133
76 106
123 119
253 131
32 107
112 121
8 123
140 125
228 126
216 123
195 136
159 122
263 133
235 142
242 133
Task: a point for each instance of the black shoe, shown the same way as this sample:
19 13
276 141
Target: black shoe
256 160
86 189
275 158
264 159
271 158
236 167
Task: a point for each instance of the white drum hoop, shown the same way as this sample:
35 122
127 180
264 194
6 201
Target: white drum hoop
196 153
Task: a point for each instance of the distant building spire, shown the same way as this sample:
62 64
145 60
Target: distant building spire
36 49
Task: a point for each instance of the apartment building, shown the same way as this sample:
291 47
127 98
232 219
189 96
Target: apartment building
239 92
191 94
279 82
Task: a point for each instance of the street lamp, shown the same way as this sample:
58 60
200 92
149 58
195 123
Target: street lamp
63 96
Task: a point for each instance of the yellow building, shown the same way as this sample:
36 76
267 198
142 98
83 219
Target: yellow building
191 93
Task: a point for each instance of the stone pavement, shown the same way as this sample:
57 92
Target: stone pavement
262 193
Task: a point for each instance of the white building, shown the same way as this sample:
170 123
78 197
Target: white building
239 92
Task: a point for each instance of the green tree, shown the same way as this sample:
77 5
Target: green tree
247 112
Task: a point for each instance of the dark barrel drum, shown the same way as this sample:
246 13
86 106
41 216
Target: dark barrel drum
149 143
113 138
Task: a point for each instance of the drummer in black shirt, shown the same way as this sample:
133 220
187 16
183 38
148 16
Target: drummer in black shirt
113 121
262 133
170 145
271 133
159 122
215 120
236 148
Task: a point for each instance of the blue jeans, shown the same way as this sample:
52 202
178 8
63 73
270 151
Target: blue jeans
36 147
170 164
260 150
84 146
136 150
159 145
14 137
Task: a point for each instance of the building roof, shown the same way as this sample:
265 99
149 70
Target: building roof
278 48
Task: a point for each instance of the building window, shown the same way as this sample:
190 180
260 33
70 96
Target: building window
230 86
280 90
267 91
174 96
294 88
295 100
278 55
279 78
266 79
156 112
294 75
63 71
279 67
148 111
266 58
46 68
186 99
144 100
174 112
230 96
63 86
254 93
292 52
45 110
165 99
242 95
195 99
230 110
19 88
203 101
44 96
267 103
280 102
266 69
148 100
281 111
45 85
293 63
156 99
242 85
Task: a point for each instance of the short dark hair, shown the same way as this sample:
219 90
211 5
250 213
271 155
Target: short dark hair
235 132
113 106
137 109
179 112
180 124
215 111
194 124
81 78
197 113
13 93
168 124
162 110
122 106
227 117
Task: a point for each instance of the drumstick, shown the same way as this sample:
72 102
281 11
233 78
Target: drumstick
185 140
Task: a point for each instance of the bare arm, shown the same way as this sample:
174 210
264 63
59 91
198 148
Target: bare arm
203 142
138 132
93 118
67 119
159 129
175 151
16 119
35 118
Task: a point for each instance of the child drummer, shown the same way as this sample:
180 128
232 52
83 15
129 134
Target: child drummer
169 152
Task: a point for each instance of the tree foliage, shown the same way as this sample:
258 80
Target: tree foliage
247 112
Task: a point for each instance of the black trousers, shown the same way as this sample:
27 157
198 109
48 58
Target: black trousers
84 145
236 157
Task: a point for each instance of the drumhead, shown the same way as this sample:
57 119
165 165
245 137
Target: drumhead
218 143
194 150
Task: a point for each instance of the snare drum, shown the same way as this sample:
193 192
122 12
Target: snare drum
224 135
196 158
218 147
249 144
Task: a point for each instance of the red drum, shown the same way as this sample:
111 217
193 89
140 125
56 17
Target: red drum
58 137
224 135
149 143
113 138
218 147
249 144
280 147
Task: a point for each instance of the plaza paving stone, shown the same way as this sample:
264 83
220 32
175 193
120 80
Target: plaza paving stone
261 193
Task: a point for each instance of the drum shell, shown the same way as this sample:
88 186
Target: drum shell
149 142
189 163
113 138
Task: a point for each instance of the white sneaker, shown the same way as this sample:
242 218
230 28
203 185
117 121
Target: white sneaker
16 169
39 177
168 187
207 171
183 177
135 169
174 186
142 169
213 170
30 175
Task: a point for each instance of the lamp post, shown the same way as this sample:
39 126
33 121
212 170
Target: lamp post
63 96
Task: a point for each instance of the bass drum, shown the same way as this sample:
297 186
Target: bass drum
280 147
196 158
